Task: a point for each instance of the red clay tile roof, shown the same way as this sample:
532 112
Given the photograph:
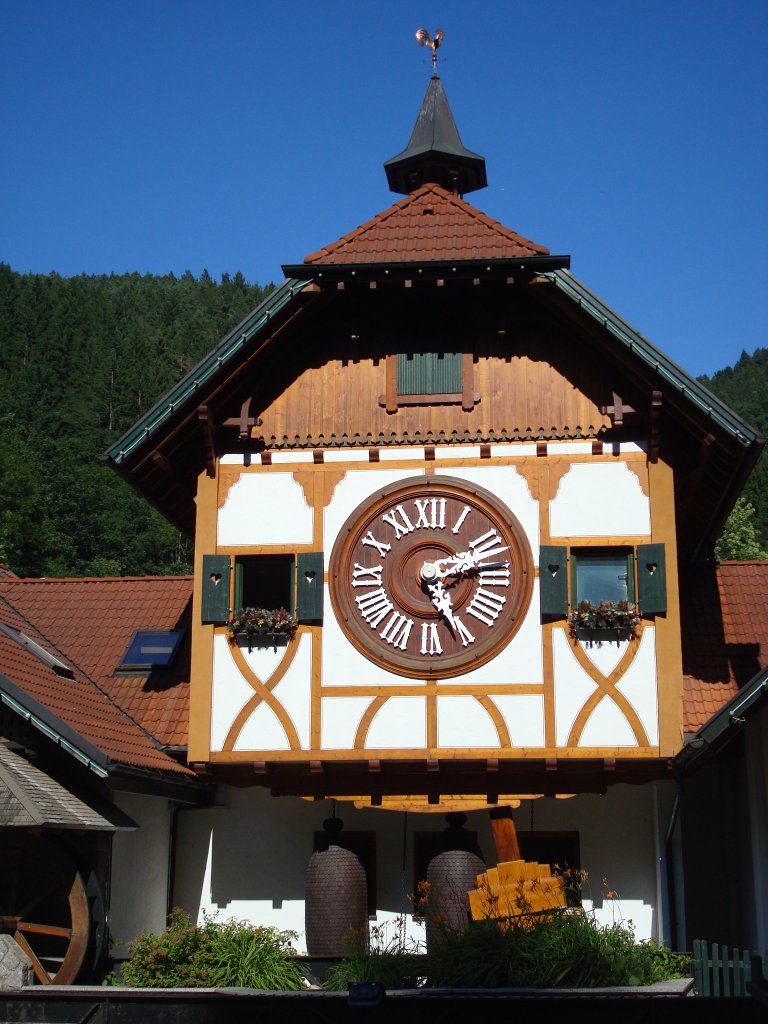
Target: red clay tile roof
429 224
89 623
725 634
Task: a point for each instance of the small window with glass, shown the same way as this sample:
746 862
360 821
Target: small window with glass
601 574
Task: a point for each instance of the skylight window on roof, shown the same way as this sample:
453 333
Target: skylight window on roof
151 649
36 649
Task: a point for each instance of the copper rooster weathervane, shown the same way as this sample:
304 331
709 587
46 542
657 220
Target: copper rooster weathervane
422 37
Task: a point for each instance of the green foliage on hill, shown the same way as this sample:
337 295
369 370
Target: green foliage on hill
744 387
81 359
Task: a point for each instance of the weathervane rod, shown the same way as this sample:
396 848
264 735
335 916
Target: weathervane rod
422 37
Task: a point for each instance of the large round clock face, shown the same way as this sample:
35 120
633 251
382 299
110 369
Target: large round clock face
431 577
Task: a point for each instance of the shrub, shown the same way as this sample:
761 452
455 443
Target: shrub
394 961
213 955
561 949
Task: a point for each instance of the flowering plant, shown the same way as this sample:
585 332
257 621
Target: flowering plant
607 615
251 623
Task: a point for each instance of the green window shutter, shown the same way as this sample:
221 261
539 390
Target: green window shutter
553 579
215 604
651 578
309 587
429 373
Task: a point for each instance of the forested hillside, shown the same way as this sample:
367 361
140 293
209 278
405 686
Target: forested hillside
745 388
82 358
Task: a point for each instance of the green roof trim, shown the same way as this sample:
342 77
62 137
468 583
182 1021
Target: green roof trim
667 370
51 726
205 369
724 724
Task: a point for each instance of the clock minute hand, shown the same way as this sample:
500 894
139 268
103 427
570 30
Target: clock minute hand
464 562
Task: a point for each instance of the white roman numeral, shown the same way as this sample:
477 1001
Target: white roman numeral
436 519
485 605
464 513
464 635
402 525
494 577
374 606
430 641
487 545
371 541
362 577
397 631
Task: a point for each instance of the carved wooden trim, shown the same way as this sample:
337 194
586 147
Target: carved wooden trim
263 692
607 687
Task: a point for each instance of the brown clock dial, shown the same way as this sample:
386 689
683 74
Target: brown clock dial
431 577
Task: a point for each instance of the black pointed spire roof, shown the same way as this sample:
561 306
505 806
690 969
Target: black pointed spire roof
435 152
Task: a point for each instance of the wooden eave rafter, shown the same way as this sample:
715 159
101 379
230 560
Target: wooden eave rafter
433 777
524 266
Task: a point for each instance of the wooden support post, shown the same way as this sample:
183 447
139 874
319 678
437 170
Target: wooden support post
504 834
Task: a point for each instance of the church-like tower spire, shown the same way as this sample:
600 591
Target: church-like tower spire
435 152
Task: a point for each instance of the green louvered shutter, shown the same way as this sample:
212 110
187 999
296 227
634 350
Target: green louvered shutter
429 373
309 586
651 578
553 579
215 604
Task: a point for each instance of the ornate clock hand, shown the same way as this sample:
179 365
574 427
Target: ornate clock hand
458 565
441 599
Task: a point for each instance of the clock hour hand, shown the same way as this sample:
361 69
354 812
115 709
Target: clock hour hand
441 599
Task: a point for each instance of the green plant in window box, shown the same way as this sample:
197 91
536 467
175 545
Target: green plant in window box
259 626
608 620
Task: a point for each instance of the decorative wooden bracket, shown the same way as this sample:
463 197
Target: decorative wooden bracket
654 439
244 421
616 411
164 464
205 416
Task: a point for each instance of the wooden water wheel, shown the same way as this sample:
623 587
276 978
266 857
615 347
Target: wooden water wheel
44 906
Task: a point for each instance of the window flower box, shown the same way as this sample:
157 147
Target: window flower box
606 622
261 627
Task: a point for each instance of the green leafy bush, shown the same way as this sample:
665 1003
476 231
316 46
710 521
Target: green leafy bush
393 960
213 955
563 949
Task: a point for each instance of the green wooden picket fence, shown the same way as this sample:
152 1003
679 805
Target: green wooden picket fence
718 971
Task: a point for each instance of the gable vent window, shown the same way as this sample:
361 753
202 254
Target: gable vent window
429 373
151 649
429 378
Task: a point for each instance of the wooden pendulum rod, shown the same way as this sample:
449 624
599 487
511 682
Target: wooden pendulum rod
504 834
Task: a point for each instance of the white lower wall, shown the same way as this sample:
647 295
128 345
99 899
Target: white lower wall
139 885
247 858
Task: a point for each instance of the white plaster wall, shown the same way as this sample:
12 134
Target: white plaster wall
600 499
249 514
248 857
139 886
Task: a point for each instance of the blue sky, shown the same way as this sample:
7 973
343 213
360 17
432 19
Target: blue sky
175 134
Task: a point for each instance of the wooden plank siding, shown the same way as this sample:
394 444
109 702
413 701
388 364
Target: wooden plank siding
521 395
